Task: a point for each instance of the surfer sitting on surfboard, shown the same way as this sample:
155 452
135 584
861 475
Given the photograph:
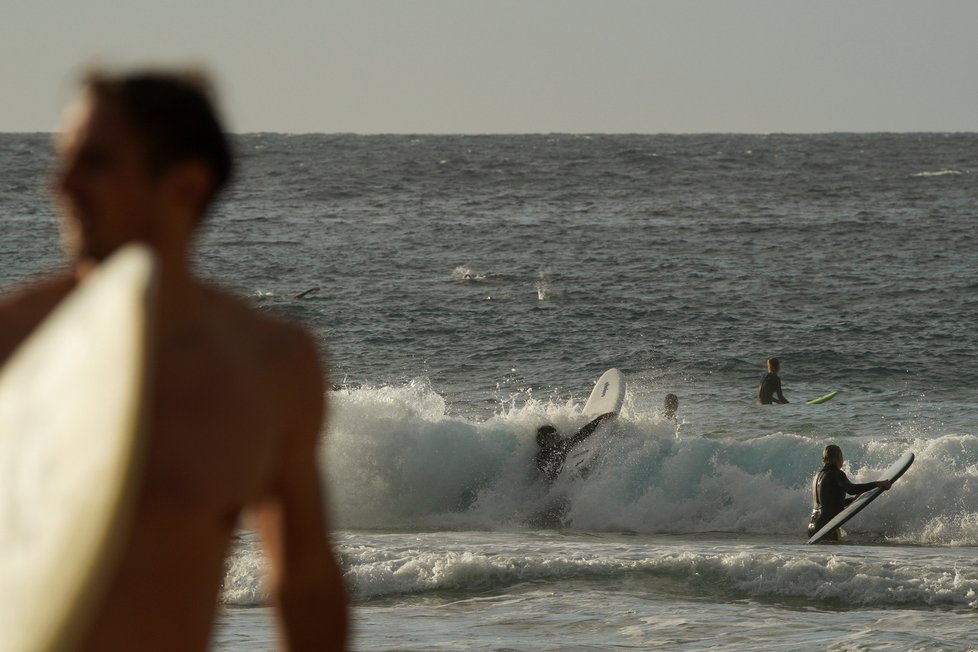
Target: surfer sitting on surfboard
554 448
829 490
771 384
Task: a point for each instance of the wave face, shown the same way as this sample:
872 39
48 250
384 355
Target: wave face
396 460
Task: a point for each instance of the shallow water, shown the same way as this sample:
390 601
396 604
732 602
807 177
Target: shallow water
558 590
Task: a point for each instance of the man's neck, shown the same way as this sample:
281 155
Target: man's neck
178 291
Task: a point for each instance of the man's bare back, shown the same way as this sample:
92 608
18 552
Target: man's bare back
233 425
236 408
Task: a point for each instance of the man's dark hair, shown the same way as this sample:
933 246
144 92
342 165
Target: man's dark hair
174 115
545 435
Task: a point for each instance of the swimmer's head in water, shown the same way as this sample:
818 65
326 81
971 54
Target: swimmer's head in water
671 402
773 365
546 435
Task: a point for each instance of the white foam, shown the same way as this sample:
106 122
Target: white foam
464 273
396 459
382 565
244 570
938 173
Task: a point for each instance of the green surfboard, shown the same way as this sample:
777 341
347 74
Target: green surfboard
822 399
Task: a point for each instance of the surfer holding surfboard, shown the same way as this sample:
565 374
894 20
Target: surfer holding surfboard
830 488
554 447
235 400
602 407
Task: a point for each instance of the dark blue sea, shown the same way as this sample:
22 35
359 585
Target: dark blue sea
470 288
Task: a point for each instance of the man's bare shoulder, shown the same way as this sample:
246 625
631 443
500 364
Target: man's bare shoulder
262 325
36 291
286 346
23 308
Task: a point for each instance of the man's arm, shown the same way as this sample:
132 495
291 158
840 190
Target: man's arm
856 489
23 310
304 577
589 429
781 397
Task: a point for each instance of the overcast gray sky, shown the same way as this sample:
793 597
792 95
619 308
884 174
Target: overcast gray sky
518 66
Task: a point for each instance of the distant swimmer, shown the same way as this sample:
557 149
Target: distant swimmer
669 406
771 384
829 489
465 274
554 448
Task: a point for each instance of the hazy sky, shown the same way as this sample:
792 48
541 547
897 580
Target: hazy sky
516 66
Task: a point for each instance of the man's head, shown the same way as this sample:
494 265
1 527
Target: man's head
141 158
671 403
832 454
546 435
773 365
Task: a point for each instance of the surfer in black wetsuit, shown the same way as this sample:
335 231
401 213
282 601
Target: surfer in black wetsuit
771 384
554 448
829 489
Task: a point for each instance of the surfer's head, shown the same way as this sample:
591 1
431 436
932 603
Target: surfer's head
546 435
773 365
670 404
173 114
141 157
832 454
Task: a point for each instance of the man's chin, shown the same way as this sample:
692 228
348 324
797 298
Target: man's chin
83 250
85 254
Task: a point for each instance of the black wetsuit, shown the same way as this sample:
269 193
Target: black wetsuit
770 385
550 459
829 489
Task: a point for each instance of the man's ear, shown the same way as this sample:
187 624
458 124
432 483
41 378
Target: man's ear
192 185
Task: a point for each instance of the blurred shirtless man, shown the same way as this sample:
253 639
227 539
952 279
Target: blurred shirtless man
237 397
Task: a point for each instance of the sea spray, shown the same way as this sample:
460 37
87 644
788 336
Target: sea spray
395 459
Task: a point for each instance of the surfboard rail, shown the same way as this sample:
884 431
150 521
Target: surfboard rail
608 395
71 448
822 399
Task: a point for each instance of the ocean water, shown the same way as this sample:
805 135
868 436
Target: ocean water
470 288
